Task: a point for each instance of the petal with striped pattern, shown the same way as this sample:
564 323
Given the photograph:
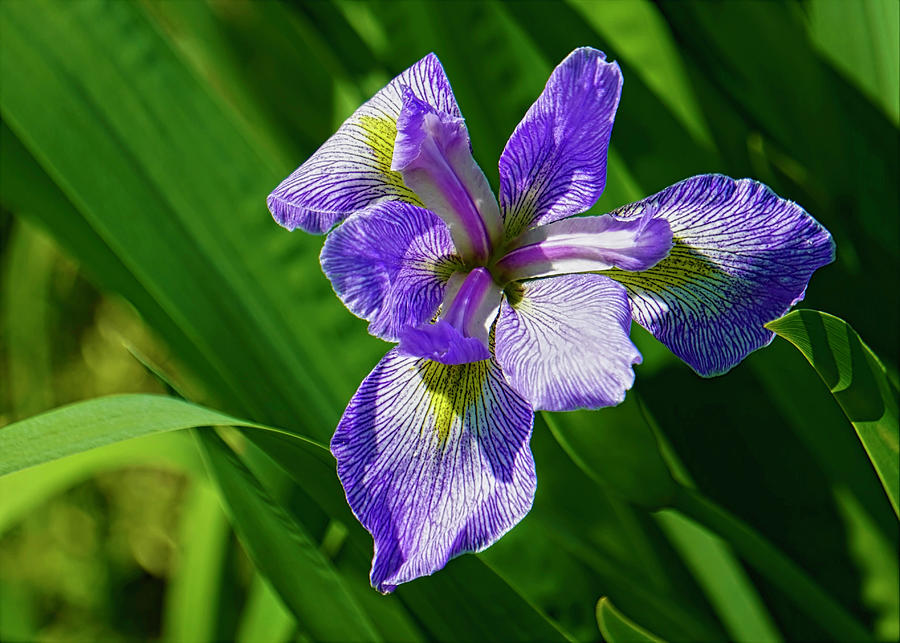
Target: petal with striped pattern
554 164
435 462
563 342
742 256
352 169
390 264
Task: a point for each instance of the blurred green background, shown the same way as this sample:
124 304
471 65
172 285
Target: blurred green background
139 141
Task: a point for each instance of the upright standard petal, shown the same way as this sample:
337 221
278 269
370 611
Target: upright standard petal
741 257
563 342
434 156
586 244
390 264
352 169
435 462
554 164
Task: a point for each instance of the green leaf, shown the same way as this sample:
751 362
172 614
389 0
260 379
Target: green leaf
862 40
264 617
617 448
618 628
726 584
193 591
93 423
284 552
859 383
192 178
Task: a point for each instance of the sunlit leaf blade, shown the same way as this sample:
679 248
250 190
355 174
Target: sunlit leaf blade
862 40
284 552
264 617
93 423
618 628
176 188
859 383
724 581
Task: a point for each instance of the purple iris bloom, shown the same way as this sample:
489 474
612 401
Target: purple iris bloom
504 307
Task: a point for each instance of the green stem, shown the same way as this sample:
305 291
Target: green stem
780 570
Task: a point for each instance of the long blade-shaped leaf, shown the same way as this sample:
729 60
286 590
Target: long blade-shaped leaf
291 561
86 425
859 383
618 628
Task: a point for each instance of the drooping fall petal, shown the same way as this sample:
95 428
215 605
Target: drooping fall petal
742 256
435 462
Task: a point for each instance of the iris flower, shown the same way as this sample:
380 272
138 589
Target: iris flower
502 307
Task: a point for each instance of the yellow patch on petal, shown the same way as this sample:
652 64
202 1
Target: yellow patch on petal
380 134
685 271
452 390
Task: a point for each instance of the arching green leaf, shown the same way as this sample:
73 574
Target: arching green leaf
859 383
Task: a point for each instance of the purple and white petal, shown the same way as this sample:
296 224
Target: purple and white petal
741 257
390 264
554 164
434 156
461 334
563 342
586 244
352 169
435 462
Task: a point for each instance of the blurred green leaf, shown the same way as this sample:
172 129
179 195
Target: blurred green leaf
26 489
858 381
192 600
618 628
27 278
283 551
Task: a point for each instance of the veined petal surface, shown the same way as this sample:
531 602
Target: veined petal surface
433 154
563 342
554 164
352 169
390 264
435 461
742 256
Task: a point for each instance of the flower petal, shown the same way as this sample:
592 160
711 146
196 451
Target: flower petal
554 164
462 333
742 257
433 154
435 462
563 342
390 264
586 244
352 169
